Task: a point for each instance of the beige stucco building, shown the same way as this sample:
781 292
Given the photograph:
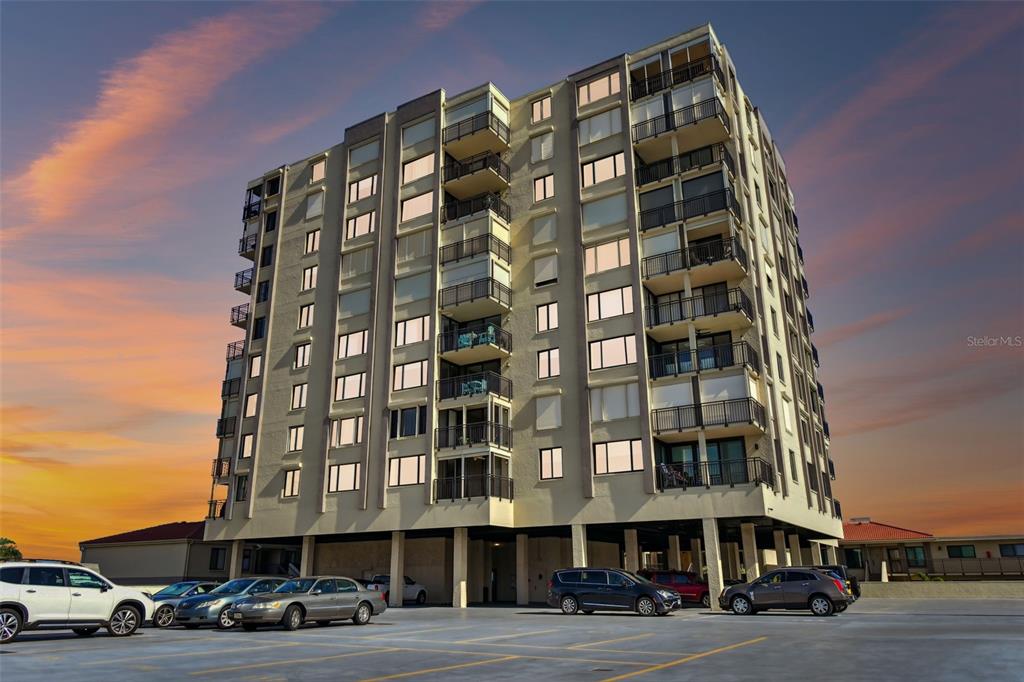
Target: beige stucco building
399 402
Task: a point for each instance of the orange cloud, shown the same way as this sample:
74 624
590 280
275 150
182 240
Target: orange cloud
852 330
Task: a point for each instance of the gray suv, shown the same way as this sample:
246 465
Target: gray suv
801 588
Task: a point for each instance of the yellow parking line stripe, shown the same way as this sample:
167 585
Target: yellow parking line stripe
440 670
213 652
290 661
611 641
517 634
685 659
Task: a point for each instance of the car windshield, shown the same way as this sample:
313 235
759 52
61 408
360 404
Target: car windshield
175 590
293 586
637 578
233 587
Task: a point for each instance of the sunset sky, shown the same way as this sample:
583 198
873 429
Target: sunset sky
130 129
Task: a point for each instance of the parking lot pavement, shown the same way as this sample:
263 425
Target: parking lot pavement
874 639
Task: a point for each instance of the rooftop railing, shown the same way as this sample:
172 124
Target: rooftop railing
684 73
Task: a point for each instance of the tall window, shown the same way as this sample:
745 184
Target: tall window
361 189
302 355
600 126
291 483
549 412
406 470
608 403
411 331
309 277
241 488
618 456
314 205
295 436
544 187
318 170
364 153
550 463
545 270
417 206
350 386
255 366
359 225
613 352
346 431
605 168
342 477
312 241
251 402
270 221
299 396
263 291
408 421
417 168
352 344
540 110
610 303
598 88
246 448
410 375
306 316
259 328
547 316
548 364
542 147
606 256
417 132
267 256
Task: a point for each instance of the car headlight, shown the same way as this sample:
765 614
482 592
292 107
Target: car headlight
215 602
665 594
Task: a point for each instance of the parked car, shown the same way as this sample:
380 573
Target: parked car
411 591
169 597
63 595
320 599
690 586
790 588
214 607
608 589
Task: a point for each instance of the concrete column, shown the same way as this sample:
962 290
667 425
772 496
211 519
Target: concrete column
750 557
831 554
396 590
816 554
579 545
632 550
460 568
235 559
522 569
696 556
714 560
673 553
797 557
781 558
885 571
307 565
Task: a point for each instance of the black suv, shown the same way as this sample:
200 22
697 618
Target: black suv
608 589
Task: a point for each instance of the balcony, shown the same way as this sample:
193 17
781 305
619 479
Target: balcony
814 355
800 253
468 435
247 246
456 210
708 262
480 174
709 312
810 320
687 209
482 133
243 281
736 417
236 349
240 315
250 209
476 299
474 386
217 509
473 486
837 509
474 246
476 343
685 163
696 125
230 388
803 284
226 427
221 467
683 475
831 469
740 354
683 73
824 428
821 392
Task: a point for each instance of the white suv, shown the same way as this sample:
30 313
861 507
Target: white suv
65 595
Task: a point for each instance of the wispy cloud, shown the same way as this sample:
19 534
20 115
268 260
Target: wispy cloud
435 16
852 330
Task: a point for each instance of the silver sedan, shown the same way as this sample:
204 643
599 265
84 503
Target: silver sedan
320 599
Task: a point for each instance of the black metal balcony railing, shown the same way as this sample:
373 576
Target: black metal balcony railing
796 223
243 279
670 312
487 287
704 359
683 163
472 336
477 384
247 244
699 254
230 388
831 469
250 209
814 355
837 509
694 113
483 121
719 200
718 413
453 210
824 428
821 392
706 474
800 252
240 314
473 486
226 427
467 248
480 433
683 73
221 467
217 509
453 170
236 349
803 283
810 320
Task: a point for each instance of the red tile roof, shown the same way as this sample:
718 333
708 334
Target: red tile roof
871 530
180 530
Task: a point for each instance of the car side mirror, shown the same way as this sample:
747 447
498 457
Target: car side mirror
315 592
104 588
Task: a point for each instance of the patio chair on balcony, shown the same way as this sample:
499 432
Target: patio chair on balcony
474 387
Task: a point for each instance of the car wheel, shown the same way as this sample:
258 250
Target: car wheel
822 606
10 625
292 618
249 627
421 598
741 606
224 619
85 632
569 605
645 606
705 600
163 617
124 621
362 614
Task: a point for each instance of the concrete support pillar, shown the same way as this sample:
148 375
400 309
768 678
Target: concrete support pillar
673 553
714 560
632 551
885 571
781 558
460 568
579 545
796 556
235 559
307 565
816 554
750 556
831 557
697 556
396 589
522 569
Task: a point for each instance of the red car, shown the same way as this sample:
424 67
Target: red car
690 586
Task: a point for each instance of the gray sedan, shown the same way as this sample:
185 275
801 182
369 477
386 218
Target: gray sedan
320 599
169 597
213 607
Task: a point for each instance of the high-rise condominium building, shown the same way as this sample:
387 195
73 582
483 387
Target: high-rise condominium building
487 338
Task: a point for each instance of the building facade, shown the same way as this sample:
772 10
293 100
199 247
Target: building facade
399 398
